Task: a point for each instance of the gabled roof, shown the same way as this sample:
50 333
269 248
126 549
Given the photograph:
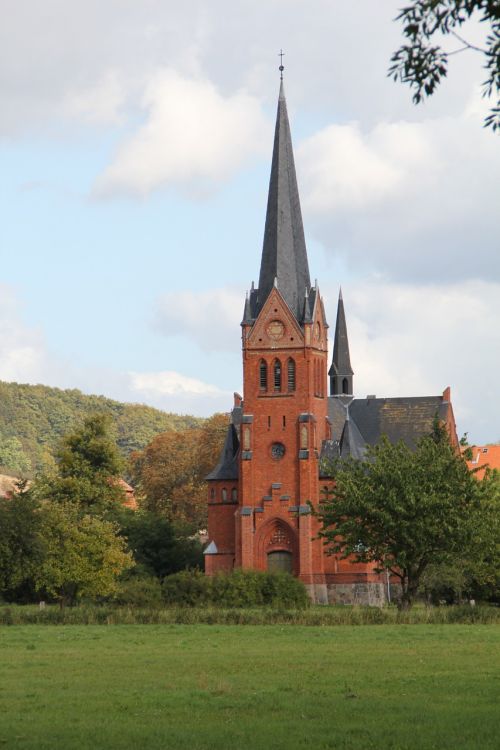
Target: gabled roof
227 468
406 419
284 256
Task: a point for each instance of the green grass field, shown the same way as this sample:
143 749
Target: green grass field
230 687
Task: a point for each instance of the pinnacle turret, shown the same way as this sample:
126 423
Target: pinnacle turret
341 372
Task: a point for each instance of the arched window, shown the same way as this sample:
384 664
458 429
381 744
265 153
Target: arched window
223 495
212 493
277 375
263 375
234 494
345 386
291 374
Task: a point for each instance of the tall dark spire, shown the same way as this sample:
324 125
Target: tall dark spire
284 255
341 371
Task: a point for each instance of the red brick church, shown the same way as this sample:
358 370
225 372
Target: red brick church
286 425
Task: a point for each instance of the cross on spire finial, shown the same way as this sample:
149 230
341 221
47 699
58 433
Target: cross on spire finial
282 67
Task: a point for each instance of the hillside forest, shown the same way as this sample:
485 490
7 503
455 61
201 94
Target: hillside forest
35 418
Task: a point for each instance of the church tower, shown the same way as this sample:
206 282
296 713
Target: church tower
286 430
283 418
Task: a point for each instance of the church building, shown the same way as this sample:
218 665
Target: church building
287 425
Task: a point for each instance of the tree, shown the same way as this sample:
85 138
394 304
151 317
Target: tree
170 472
159 548
422 64
88 468
21 543
13 457
403 509
84 555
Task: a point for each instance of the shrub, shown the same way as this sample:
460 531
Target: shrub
188 588
241 588
139 592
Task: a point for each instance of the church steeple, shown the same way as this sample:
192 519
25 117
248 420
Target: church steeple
284 256
341 372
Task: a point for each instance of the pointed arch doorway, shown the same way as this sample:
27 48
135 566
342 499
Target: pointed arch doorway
280 561
277 547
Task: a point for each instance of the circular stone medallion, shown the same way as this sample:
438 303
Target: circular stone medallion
275 330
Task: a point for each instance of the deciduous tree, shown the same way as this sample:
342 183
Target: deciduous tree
84 555
403 509
170 472
423 64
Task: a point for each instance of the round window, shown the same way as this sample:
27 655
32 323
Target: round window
277 450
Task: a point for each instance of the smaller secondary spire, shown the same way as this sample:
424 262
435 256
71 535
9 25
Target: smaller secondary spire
341 371
281 54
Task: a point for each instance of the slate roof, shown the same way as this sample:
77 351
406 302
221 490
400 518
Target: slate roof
227 468
406 419
352 443
284 255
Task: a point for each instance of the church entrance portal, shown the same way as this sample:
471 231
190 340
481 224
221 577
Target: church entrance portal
280 562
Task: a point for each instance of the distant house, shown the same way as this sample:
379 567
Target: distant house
8 488
130 501
7 485
483 457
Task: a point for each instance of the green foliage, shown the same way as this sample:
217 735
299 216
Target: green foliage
135 613
159 547
241 588
21 544
13 457
83 555
139 592
88 468
423 65
404 509
188 588
39 416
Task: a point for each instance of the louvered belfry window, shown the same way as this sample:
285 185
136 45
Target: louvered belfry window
291 375
277 375
263 375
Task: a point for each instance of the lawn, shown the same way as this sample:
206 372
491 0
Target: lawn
279 687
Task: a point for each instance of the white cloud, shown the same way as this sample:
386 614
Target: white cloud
23 354
179 393
192 135
416 340
409 200
171 383
99 103
211 318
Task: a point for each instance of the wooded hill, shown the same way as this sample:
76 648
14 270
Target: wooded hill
33 418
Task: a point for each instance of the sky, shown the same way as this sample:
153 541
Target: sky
135 149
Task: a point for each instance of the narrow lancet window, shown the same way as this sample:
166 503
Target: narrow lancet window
345 386
291 375
263 375
277 375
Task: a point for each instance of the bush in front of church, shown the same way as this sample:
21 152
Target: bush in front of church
241 588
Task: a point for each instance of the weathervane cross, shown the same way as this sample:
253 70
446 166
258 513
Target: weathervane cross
282 67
